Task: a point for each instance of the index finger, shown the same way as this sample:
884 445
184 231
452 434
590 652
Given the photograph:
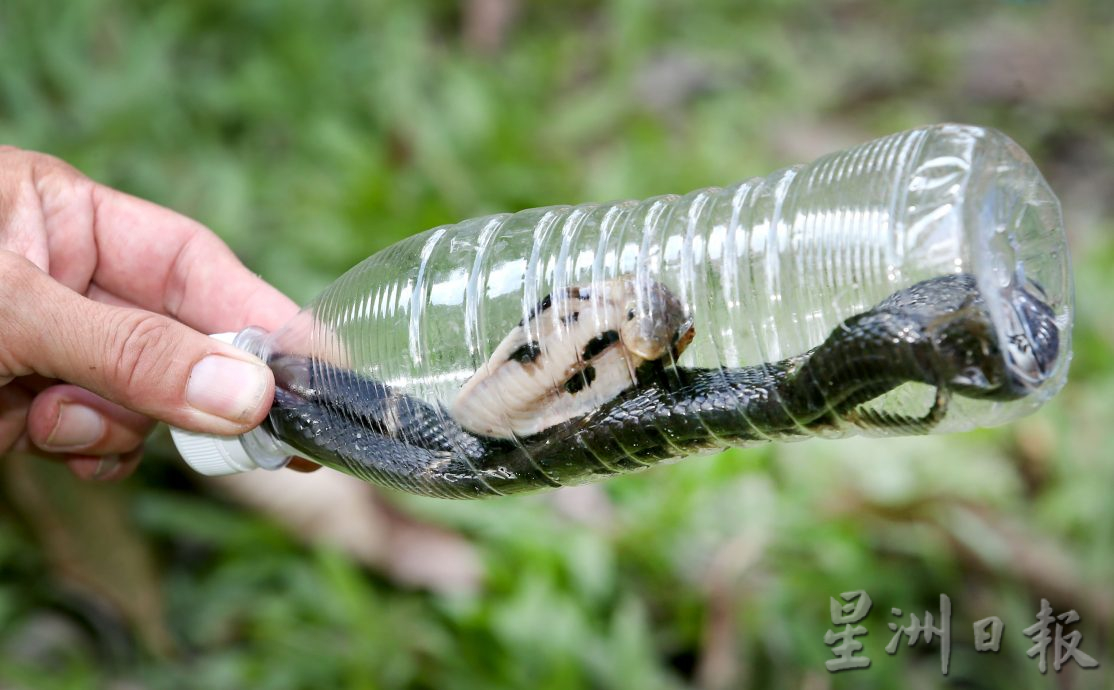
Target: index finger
165 262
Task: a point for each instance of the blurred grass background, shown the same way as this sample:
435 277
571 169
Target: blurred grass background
311 134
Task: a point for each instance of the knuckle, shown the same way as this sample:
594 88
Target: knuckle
56 183
15 157
43 161
140 346
30 179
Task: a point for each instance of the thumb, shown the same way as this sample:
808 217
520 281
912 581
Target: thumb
144 361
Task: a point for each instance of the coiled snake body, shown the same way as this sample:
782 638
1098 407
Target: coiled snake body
644 408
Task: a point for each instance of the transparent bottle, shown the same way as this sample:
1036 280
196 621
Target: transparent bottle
917 283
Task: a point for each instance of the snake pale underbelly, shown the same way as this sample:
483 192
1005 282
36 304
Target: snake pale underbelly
576 350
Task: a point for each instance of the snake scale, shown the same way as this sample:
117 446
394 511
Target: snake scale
937 332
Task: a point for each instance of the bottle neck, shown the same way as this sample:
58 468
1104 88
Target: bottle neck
215 455
264 449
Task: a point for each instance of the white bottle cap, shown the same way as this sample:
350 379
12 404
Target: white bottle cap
210 454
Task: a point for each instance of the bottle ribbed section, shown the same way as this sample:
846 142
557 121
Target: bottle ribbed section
766 269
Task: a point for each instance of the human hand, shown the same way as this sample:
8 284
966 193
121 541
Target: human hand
105 300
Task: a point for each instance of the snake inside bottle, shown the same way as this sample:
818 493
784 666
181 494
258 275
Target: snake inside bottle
918 283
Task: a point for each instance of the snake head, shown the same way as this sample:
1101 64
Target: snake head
977 363
656 322
1032 338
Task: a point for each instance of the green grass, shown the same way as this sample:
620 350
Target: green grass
311 134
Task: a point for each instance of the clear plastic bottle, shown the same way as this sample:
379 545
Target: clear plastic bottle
726 316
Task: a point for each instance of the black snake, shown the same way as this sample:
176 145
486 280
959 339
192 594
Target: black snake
938 332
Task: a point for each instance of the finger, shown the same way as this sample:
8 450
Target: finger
21 212
68 419
104 468
165 262
145 362
153 257
171 264
14 402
